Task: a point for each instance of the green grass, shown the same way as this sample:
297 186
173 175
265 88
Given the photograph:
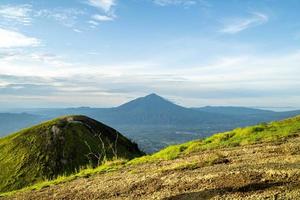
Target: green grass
37 154
83 173
272 132
169 153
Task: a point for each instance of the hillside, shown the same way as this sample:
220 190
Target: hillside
258 162
57 147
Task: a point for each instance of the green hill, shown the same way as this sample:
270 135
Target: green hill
59 147
258 162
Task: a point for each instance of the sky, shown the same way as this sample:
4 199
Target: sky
102 53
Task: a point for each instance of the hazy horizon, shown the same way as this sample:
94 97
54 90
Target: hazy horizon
28 108
102 53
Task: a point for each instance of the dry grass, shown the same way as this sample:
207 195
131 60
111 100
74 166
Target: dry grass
258 171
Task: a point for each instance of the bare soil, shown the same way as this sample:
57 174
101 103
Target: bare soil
262 171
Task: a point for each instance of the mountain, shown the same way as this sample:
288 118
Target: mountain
11 122
256 162
59 147
232 110
250 115
149 102
155 110
155 122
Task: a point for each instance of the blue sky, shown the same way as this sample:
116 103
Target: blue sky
102 53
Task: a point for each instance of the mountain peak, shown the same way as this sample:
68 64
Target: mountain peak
151 101
153 96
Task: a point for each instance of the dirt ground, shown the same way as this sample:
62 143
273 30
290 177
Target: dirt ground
264 171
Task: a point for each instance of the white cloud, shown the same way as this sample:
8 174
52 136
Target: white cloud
77 30
93 23
108 12
237 25
66 17
105 5
13 16
12 39
18 13
240 80
102 18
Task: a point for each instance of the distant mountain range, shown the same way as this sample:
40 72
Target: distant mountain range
12 122
154 122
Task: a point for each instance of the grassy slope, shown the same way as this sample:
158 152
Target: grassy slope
41 152
271 132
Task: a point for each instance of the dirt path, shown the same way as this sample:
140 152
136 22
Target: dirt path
265 171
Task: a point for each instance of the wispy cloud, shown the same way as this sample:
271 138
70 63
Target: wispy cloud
237 25
105 5
107 8
184 3
16 13
67 17
175 2
102 18
12 39
12 16
93 24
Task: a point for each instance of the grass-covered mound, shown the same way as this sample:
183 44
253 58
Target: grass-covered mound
271 132
59 147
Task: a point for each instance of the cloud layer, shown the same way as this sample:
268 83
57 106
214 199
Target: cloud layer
237 25
12 39
238 80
